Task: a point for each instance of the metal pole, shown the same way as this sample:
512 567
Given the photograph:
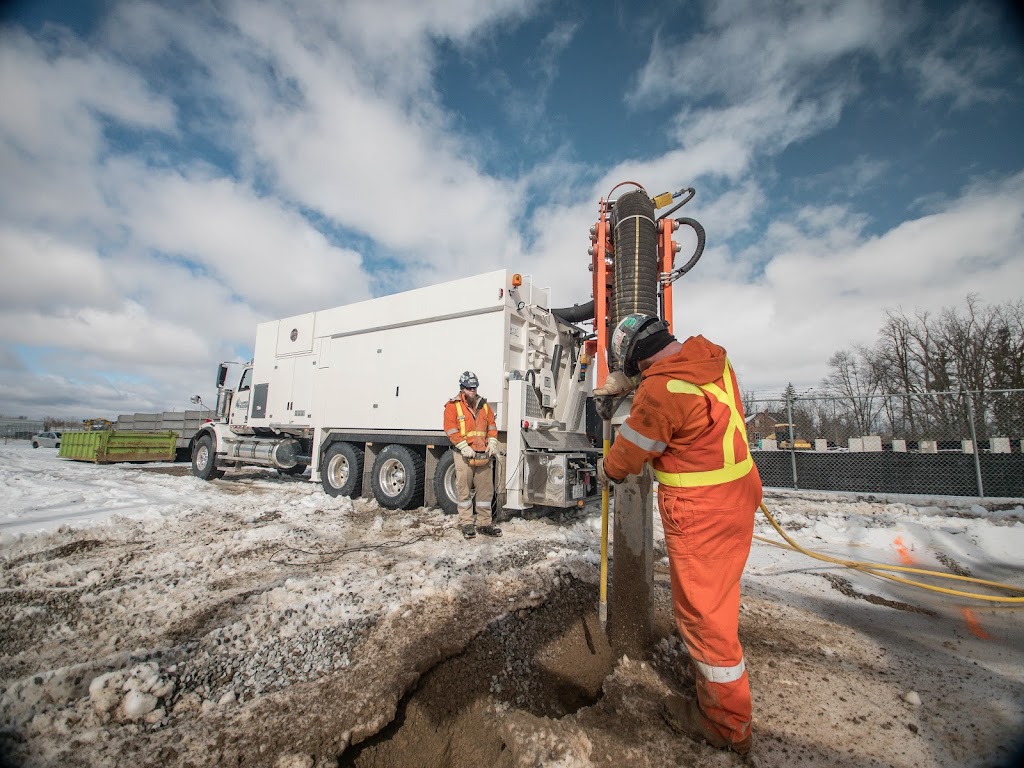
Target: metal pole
631 608
974 442
792 439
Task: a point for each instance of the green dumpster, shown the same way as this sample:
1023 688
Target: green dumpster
109 446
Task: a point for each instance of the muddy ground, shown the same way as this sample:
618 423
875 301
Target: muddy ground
194 640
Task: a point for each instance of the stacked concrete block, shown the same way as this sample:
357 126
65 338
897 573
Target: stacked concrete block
872 443
927 446
820 444
856 444
899 445
999 445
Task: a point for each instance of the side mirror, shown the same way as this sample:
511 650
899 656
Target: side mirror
222 375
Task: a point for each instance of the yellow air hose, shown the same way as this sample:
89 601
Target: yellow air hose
876 569
602 608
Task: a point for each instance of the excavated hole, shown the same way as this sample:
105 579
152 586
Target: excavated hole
550 661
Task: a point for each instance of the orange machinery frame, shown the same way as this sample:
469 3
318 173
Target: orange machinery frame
603 268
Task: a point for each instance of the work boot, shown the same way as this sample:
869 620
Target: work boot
684 716
469 531
489 530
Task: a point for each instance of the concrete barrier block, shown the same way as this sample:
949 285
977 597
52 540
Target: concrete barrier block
899 445
820 444
872 443
769 445
967 446
927 446
999 445
856 444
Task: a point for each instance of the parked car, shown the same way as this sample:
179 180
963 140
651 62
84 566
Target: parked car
46 440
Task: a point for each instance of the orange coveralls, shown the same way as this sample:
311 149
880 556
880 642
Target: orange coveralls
475 426
687 419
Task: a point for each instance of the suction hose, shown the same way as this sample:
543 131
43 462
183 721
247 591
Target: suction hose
579 313
636 256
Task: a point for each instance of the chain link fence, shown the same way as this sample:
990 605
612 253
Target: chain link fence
934 443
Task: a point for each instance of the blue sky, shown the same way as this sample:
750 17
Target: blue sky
172 174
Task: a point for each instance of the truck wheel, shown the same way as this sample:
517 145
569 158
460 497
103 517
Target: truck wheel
397 478
204 459
35 444
444 483
341 472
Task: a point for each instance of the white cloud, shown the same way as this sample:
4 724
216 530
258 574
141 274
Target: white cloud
960 64
266 254
55 95
826 285
750 47
45 273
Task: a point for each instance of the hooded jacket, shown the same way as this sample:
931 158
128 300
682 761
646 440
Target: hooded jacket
687 420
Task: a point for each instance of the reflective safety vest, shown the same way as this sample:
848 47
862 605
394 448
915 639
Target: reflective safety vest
481 425
728 430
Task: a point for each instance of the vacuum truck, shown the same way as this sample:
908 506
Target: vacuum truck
357 394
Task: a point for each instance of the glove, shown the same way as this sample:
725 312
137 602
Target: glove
465 450
602 478
492 446
617 383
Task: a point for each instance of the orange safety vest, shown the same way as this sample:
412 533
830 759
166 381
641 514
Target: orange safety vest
693 435
480 427
724 448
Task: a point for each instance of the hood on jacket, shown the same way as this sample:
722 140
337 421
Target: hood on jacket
698 362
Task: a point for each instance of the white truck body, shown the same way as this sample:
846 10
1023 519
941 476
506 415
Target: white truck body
379 372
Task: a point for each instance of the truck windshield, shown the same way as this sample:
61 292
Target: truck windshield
246 381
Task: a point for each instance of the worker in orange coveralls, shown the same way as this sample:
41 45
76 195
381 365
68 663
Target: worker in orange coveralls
687 419
469 424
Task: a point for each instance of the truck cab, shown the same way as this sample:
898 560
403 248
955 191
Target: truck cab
233 405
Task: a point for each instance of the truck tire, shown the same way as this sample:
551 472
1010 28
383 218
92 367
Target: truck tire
444 483
341 471
204 459
35 444
397 478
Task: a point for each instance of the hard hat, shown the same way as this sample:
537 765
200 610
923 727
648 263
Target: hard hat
468 380
628 334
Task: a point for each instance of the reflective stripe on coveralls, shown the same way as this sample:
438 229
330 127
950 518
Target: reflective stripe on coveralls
730 469
640 441
721 674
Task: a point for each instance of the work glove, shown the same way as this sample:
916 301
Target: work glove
492 446
465 450
602 478
617 383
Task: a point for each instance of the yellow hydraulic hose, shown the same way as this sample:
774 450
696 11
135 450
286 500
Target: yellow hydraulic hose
602 609
875 569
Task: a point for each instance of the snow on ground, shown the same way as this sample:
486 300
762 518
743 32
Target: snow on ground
149 618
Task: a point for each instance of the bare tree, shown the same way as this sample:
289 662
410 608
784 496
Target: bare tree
1007 370
853 376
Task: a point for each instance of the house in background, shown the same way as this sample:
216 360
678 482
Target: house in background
761 426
